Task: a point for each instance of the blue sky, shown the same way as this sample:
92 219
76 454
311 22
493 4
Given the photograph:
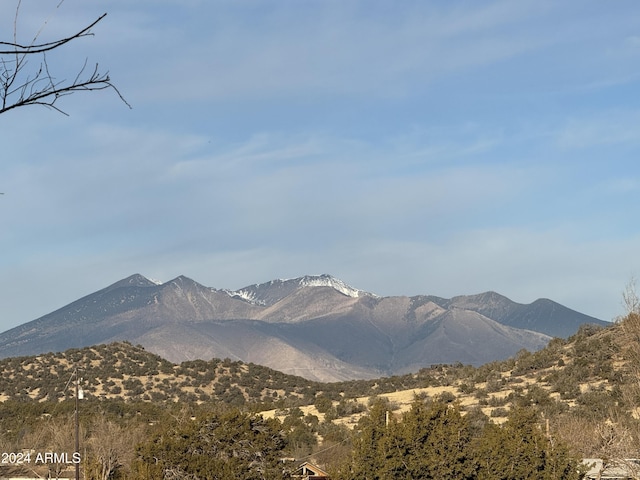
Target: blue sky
415 147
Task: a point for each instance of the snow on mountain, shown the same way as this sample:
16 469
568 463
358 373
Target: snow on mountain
269 292
325 280
246 295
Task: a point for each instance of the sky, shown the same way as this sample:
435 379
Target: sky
416 147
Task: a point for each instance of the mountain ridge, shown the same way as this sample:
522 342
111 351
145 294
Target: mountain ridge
275 290
315 323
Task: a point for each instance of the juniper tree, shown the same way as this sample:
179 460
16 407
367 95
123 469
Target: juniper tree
520 450
368 456
431 441
228 446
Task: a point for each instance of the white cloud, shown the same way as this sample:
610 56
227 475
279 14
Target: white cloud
601 129
333 48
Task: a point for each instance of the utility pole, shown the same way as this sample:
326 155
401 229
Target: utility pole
79 395
77 447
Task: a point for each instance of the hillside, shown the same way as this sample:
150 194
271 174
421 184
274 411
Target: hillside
566 372
582 387
127 372
317 327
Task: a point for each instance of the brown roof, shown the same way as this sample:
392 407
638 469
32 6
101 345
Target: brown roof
308 471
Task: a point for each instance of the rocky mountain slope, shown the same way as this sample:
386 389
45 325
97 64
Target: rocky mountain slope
316 327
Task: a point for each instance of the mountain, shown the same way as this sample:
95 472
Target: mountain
317 327
542 315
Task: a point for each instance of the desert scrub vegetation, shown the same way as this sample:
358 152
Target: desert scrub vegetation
585 385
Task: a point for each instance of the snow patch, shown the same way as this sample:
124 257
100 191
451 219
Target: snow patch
329 281
246 295
252 294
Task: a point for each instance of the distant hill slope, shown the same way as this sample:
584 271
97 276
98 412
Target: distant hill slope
317 327
122 371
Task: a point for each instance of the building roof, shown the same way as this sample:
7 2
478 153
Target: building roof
309 471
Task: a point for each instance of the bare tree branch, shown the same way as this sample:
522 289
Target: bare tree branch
19 88
16 48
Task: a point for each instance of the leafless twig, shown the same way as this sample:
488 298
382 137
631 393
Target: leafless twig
19 87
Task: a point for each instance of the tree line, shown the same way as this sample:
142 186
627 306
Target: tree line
434 439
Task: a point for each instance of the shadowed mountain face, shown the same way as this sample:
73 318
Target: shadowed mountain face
314 326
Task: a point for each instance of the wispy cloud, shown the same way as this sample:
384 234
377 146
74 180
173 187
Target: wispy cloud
413 147
333 48
601 129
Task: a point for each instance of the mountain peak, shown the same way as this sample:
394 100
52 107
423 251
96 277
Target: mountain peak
269 293
326 280
135 280
181 279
